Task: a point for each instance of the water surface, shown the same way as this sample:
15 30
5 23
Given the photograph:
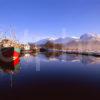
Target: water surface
52 74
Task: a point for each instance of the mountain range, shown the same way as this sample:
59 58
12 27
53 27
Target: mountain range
86 42
85 37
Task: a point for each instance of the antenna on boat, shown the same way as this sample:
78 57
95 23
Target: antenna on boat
12 33
5 36
0 36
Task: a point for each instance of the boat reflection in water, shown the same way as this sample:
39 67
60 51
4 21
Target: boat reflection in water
49 73
10 67
59 56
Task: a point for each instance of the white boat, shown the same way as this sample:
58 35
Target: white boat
27 47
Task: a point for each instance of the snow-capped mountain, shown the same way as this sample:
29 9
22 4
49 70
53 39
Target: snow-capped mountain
85 37
55 41
44 41
63 40
86 42
89 36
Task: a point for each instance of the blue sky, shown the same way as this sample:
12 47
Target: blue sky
36 19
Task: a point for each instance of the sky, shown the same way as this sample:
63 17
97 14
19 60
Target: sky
33 20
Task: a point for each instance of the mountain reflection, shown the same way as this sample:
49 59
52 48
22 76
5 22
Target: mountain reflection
84 59
11 67
14 66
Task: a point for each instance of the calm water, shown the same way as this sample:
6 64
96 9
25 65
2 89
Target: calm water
52 74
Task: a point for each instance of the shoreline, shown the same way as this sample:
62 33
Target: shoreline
96 54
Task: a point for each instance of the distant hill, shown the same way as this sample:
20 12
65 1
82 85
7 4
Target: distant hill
86 42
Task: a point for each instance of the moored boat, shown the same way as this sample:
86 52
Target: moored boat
26 49
9 53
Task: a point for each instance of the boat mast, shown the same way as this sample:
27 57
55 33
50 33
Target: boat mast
12 34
